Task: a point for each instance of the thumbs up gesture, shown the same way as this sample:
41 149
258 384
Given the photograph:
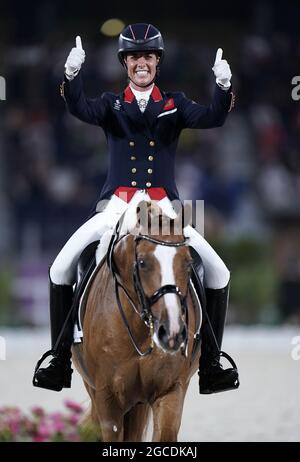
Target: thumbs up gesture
75 60
222 70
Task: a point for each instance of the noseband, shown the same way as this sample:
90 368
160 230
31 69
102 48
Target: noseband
146 302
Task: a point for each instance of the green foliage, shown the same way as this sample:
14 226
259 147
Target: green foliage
253 279
6 282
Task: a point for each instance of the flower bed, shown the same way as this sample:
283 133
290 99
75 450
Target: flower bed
40 426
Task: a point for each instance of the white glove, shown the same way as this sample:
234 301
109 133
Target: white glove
222 70
75 60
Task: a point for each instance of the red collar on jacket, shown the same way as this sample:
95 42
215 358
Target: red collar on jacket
129 96
126 193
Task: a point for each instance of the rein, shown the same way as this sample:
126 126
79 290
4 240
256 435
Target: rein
145 302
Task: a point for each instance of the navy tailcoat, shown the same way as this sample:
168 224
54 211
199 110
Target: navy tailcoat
142 146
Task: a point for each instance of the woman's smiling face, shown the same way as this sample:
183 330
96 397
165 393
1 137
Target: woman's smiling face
141 68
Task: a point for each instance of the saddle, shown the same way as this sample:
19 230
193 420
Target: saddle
85 267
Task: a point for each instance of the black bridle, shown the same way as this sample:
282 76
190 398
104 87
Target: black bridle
146 302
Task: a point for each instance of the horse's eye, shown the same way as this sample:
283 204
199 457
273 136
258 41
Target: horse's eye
141 263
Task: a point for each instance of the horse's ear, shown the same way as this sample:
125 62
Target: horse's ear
187 215
143 212
142 209
136 218
148 217
184 217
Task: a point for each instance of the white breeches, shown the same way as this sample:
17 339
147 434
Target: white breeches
63 268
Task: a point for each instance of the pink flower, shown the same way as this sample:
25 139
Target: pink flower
43 430
55 416
28 425
14 426
40 426
74 419
73 406
11 412
38 411
38 439
58 424
73 437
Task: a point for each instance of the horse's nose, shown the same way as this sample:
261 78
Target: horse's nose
173 342
162 335
181 337
183 334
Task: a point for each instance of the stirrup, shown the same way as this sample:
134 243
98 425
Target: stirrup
229 358
213 386
42 359
41 378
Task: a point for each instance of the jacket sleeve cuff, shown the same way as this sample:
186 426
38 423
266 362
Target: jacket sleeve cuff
228 97
71 89
223 87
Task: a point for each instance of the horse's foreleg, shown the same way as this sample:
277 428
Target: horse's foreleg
90 423
135 422
110 417
167 413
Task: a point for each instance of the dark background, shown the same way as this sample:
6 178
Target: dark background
52 166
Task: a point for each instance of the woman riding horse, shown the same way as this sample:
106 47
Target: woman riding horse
142 125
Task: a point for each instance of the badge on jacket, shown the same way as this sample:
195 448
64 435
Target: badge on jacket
117 105
168 108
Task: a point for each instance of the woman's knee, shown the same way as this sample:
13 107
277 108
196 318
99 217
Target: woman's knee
219 276
60 275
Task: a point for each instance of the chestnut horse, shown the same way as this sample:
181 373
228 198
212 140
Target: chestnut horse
139 330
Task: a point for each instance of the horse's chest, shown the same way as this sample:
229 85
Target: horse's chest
144 381
160 373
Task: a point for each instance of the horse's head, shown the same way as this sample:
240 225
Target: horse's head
155 262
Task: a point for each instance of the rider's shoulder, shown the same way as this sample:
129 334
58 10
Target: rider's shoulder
178 96
109 95
110 99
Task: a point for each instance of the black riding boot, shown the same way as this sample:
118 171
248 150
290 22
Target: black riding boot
58 374
213 378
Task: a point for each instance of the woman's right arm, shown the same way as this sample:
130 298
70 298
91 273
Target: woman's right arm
90 110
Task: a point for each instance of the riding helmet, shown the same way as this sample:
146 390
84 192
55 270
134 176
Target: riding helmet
140 37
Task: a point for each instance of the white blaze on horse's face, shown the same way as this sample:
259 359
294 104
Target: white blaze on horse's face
165 257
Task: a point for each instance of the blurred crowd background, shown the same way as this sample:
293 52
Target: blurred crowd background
52 166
